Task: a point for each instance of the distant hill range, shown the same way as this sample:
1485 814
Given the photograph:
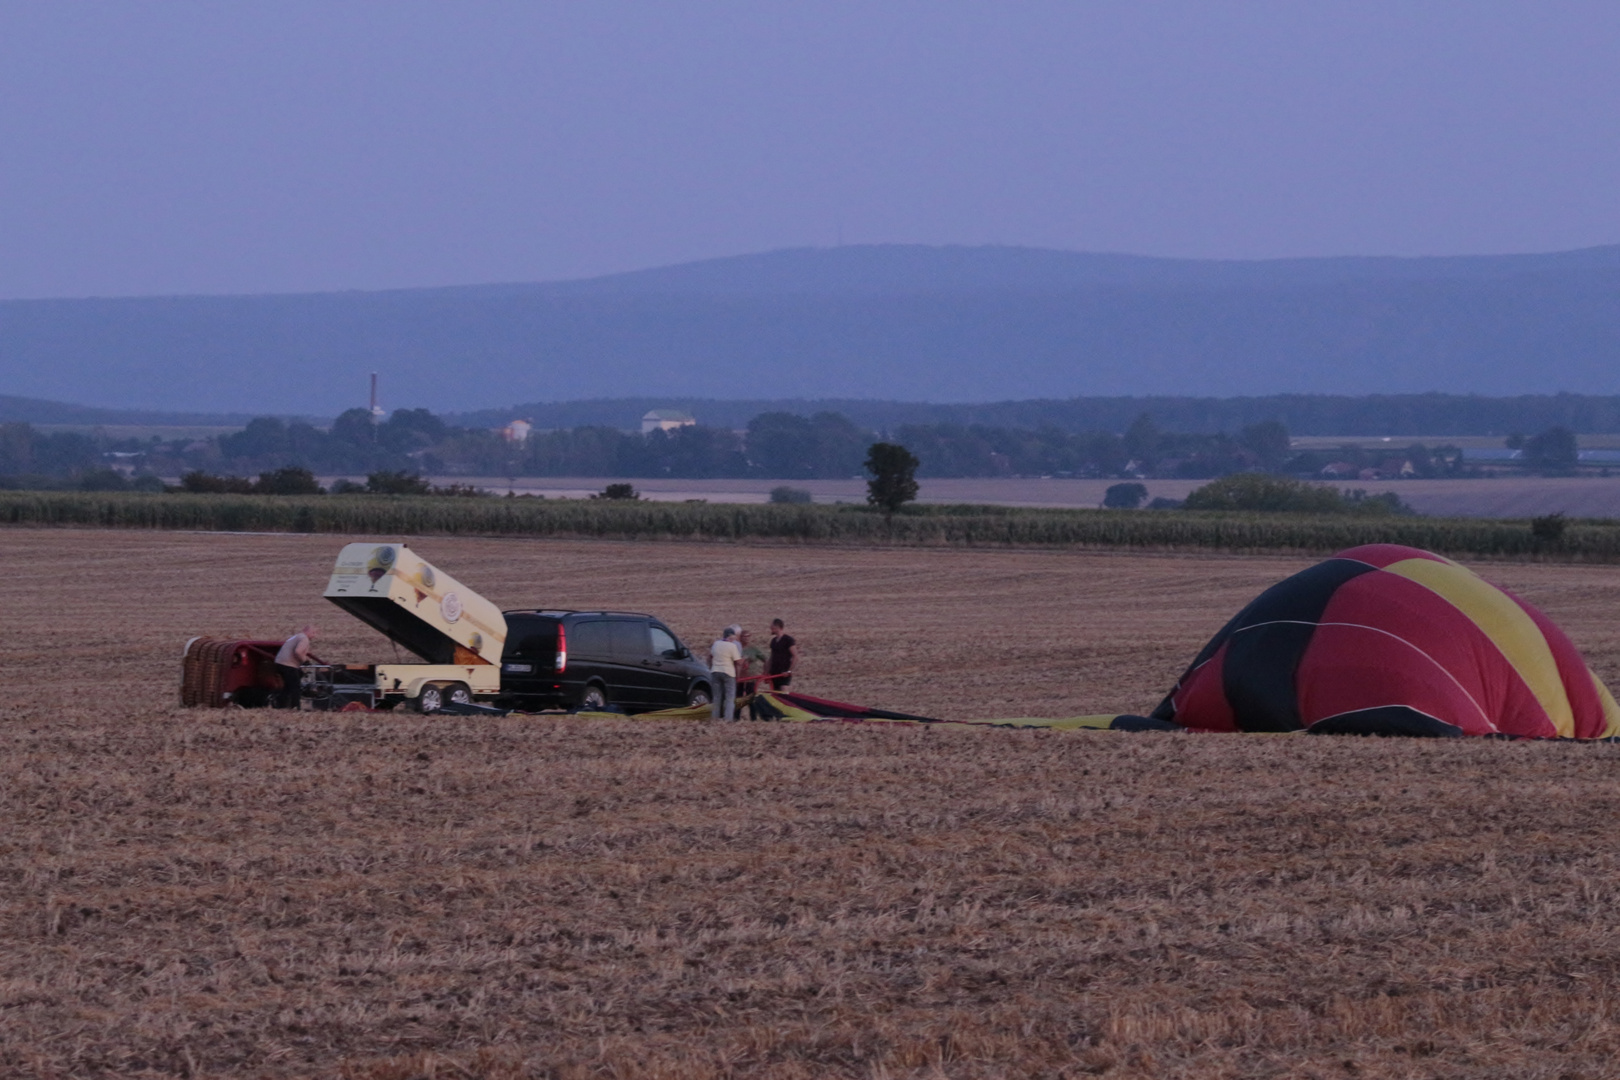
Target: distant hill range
60 413
906 323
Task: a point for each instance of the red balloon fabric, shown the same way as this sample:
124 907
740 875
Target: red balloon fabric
1391 640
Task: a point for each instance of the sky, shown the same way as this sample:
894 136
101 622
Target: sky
172 147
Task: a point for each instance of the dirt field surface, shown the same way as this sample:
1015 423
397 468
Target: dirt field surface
1507 496
379 897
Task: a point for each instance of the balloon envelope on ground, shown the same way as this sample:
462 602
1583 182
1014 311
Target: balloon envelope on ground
1390 640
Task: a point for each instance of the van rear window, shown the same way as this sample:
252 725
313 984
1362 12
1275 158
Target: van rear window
531 639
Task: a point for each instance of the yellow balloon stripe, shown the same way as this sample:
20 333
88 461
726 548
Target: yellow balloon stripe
1513 631
1611 711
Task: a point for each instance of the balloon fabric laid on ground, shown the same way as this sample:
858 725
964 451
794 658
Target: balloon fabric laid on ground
1390 640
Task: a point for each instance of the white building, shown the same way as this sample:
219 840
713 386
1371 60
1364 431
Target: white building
517 431
666 420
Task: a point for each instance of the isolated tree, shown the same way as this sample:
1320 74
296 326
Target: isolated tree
894 476
1127 496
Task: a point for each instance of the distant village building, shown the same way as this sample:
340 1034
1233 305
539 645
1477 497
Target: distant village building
517 431
666 420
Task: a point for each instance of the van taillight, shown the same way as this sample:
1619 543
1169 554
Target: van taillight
562 650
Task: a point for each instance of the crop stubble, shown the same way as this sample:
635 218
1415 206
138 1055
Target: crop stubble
235 893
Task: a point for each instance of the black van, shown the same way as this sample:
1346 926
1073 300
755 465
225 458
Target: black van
592 659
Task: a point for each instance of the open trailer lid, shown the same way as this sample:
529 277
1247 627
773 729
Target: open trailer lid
391 588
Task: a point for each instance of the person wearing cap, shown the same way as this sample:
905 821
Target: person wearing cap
724 656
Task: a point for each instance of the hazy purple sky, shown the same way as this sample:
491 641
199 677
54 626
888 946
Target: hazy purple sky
171 147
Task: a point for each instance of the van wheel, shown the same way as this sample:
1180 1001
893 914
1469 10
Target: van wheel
431 699
594 699
698 696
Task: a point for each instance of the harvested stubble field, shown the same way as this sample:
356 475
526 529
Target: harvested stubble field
385 897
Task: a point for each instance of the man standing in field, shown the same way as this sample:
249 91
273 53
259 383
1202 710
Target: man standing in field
724 656
289 665
784 655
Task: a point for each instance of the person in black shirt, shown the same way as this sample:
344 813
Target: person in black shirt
784 655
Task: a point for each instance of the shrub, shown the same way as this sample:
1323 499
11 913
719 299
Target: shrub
291 480
1124 496
785 494
1278 494
396 483
1549 530
1257 491
461 491
198 482
619 493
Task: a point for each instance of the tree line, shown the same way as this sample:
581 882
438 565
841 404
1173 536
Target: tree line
773 445
1429 416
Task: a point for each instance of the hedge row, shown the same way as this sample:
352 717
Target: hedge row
956 525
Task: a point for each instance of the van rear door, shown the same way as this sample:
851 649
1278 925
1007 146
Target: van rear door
529 662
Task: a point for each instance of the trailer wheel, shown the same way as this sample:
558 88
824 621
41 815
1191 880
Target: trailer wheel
431 699
594 699
460 694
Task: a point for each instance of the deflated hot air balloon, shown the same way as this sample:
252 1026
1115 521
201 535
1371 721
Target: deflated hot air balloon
1390 640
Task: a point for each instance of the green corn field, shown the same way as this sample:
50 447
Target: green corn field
980 526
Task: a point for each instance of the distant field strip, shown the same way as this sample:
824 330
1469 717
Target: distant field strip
971 526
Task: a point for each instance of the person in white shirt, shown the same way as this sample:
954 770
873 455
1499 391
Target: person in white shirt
289 665
724 656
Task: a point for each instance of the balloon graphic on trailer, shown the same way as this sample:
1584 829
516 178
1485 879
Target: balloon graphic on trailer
1391 640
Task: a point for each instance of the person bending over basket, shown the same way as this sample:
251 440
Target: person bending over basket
289 665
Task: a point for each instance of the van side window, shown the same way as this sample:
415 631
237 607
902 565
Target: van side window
629 639
664 643
591 638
